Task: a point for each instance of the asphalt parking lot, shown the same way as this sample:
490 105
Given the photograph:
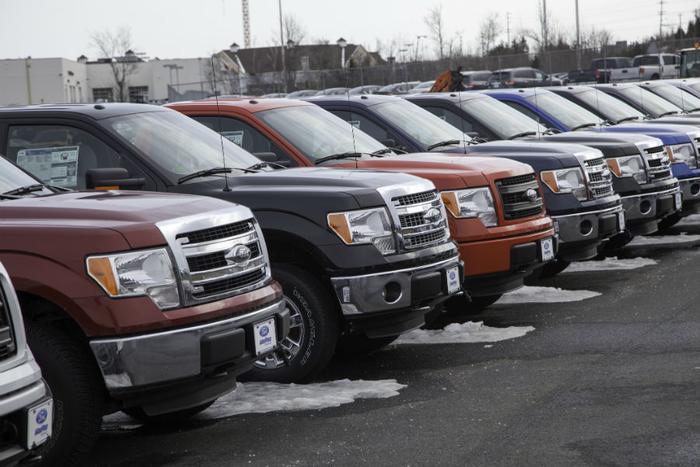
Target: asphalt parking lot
610 380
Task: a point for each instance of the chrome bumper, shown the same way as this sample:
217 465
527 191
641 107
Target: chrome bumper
169 355
589 226
21 387
644 207
690 187
385 291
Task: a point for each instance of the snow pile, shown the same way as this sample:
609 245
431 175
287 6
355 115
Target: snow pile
465 333
610 264
262 397
693 219
665 240
530 294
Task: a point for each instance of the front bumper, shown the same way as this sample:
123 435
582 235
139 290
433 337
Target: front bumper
690 189
642 212
581 233
135 364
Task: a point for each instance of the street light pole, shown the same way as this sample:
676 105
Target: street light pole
342 43
284 65
578 39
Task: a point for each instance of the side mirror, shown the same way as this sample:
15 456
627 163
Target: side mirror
112 179
272 158
389 142
472 134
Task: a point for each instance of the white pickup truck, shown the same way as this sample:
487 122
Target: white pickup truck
657 66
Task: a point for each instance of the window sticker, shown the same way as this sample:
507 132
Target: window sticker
56 166
355 123
235 136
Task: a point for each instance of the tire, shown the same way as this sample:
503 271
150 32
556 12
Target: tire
166 418
78 393
314 330
668 222
553 268
360 344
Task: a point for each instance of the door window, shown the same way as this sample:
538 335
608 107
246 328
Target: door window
61 155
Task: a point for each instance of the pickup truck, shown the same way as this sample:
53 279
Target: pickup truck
644 100
360 255
147 303
26 405
494 206
686 101
522 77
594 211
606 70
494 120
657 66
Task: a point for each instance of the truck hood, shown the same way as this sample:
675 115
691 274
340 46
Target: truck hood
610 144
669 134
448 171
130 213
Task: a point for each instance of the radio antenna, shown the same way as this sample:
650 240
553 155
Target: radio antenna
458 84
352 126
219 129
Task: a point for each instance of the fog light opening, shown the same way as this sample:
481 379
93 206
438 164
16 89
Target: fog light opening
392 292
695 189
645 207
586 228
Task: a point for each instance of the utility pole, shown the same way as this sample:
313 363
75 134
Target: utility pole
578 39
246 23
545 33
508 27
661 21
284 64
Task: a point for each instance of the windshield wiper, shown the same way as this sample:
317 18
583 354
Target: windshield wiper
263 164
670 112
379 152
342 155
213 171
631 118
444 143
583 125
523 134
23 190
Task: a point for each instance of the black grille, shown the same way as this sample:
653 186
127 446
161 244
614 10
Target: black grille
7 341
661 175
216 233
217 259
654 150
225 285
417 198
594 162
655 163
596 177
602 191
424 239
517 180
412 220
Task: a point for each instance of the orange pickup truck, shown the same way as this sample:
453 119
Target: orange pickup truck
497 215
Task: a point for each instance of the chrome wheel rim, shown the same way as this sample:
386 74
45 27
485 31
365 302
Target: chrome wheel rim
290 346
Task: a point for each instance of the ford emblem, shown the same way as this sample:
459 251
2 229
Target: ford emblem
239 255
531 194
432 215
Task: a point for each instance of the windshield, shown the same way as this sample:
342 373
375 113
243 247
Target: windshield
12 177
570 114
317 133
176 144
647 100
677 96
500 118
608 106
646 60
418 123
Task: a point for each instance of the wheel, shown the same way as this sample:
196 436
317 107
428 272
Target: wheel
553 268
361 345
670 221
166 418
313 334
78 393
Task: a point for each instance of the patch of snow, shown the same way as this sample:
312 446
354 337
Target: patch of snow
665 240
693 219
531 294
610 264
463 333
264 397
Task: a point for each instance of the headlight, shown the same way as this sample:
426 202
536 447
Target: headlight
566 181
682 153
474 202
628 166
364 227
140 273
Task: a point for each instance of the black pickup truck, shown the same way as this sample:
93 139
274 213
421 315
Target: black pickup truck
362 256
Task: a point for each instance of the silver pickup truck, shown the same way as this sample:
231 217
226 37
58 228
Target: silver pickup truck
26 406
657 66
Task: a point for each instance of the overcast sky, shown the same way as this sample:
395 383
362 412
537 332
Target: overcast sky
192 28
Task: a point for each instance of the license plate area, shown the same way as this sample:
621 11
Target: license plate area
264 336
39 423
678 200
547 249
454 282
621 221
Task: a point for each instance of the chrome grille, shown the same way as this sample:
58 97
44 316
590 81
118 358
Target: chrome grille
658 163
599 178
7 341
422 220
217 259
516 195
216 233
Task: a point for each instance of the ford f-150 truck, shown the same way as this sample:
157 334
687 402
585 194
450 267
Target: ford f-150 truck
360 255
495 206
26 405
657 66
592 209
147 303
641 170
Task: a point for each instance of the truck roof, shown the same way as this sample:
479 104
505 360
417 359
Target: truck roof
94 111
364 100
251 105
456 97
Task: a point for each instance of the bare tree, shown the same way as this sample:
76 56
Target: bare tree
293 29
542 36
117 47
489 31
596 38
436 25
